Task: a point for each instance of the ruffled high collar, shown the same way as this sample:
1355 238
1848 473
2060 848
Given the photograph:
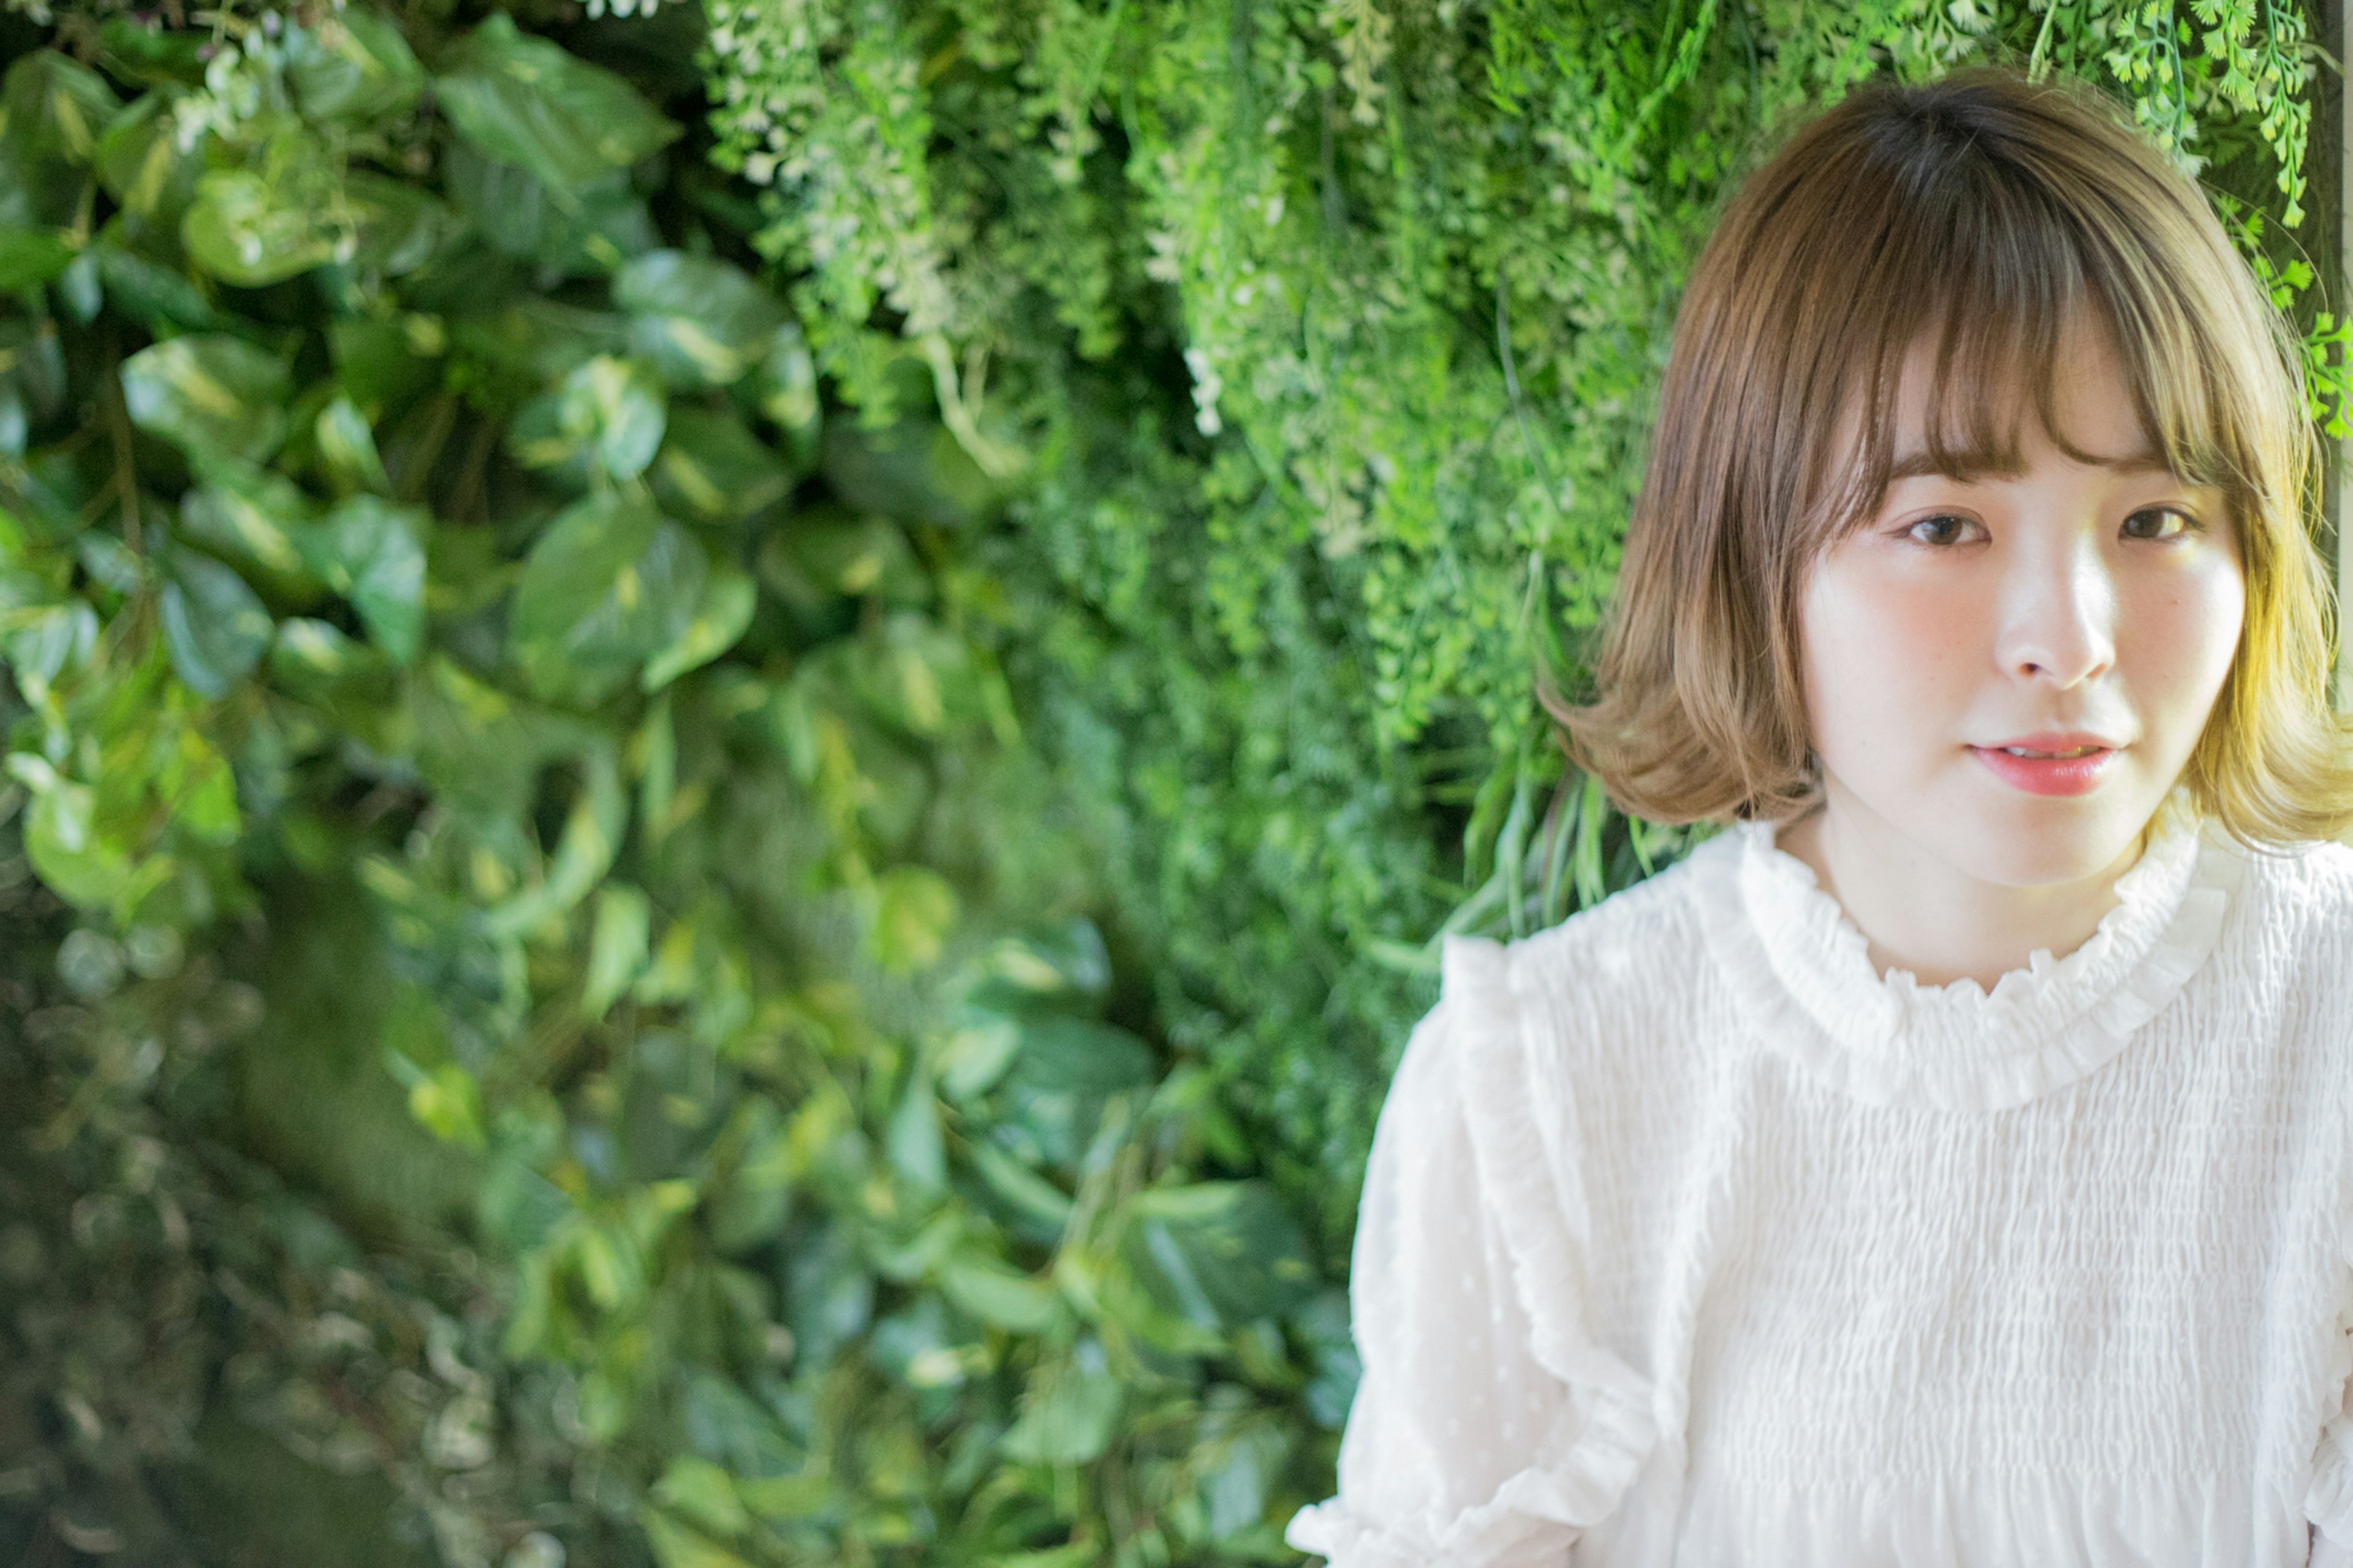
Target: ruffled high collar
1803 974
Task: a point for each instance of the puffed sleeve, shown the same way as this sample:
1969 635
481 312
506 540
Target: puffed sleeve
2328 1499
1488 1430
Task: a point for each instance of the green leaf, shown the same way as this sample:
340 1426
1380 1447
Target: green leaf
449 1102
613 410
384 365
703 1494
158 298
372 551
914 470
1069 1410
592 835
677 1545
142 161
38 644
711 467
996 1292
81 865
700 320
785 389
32 257
524 100
608 584
250 514
352 64
593 229
1045 1207
400 227
617 949
915 1146
720 622
215 627
1067 1071
823 555
310 654
55 107
913 909
146 50
1218 1254
198 789
347 448
209 394
248 230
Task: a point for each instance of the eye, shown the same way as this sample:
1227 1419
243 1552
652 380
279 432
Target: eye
2166 523
1942 531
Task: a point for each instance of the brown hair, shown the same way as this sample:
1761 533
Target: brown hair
1989 211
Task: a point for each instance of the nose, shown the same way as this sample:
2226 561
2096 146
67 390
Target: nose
2058 621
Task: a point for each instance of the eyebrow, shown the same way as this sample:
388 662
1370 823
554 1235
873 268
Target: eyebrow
1920 465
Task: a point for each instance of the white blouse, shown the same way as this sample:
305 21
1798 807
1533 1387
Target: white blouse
1688 1239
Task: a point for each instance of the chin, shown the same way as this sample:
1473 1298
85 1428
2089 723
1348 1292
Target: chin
2042 847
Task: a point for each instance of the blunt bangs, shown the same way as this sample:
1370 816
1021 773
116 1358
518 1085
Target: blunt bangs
1998 259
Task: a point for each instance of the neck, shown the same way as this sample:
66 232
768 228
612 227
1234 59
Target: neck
1921 914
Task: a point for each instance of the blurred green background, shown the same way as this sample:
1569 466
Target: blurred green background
736 732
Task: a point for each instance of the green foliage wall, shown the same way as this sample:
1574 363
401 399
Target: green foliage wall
737 733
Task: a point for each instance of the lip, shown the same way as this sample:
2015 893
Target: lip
2051 775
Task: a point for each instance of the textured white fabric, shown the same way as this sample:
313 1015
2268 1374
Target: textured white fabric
1688 1239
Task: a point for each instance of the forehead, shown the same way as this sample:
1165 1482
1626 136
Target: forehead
1999 410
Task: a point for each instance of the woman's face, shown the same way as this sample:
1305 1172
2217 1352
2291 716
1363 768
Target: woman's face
2069 605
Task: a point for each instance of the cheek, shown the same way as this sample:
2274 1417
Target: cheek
2185 634
1886 659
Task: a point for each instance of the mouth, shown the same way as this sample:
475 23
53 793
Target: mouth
2048 770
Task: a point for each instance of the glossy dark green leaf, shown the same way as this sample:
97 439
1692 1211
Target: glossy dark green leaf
245 229
711 467
592 229
821 555
56 107
372 551
353 64
915 472
784 386
346 447
1057 1087
1219 1254
526 101
208 394
700 319
251 515
609 583
142 163
216 627
614 411
721 618
140 48
159 297
401 228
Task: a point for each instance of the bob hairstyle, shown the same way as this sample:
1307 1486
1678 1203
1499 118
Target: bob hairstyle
1984 213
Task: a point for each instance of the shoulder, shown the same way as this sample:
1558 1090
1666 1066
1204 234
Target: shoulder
1609 974
2297 901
